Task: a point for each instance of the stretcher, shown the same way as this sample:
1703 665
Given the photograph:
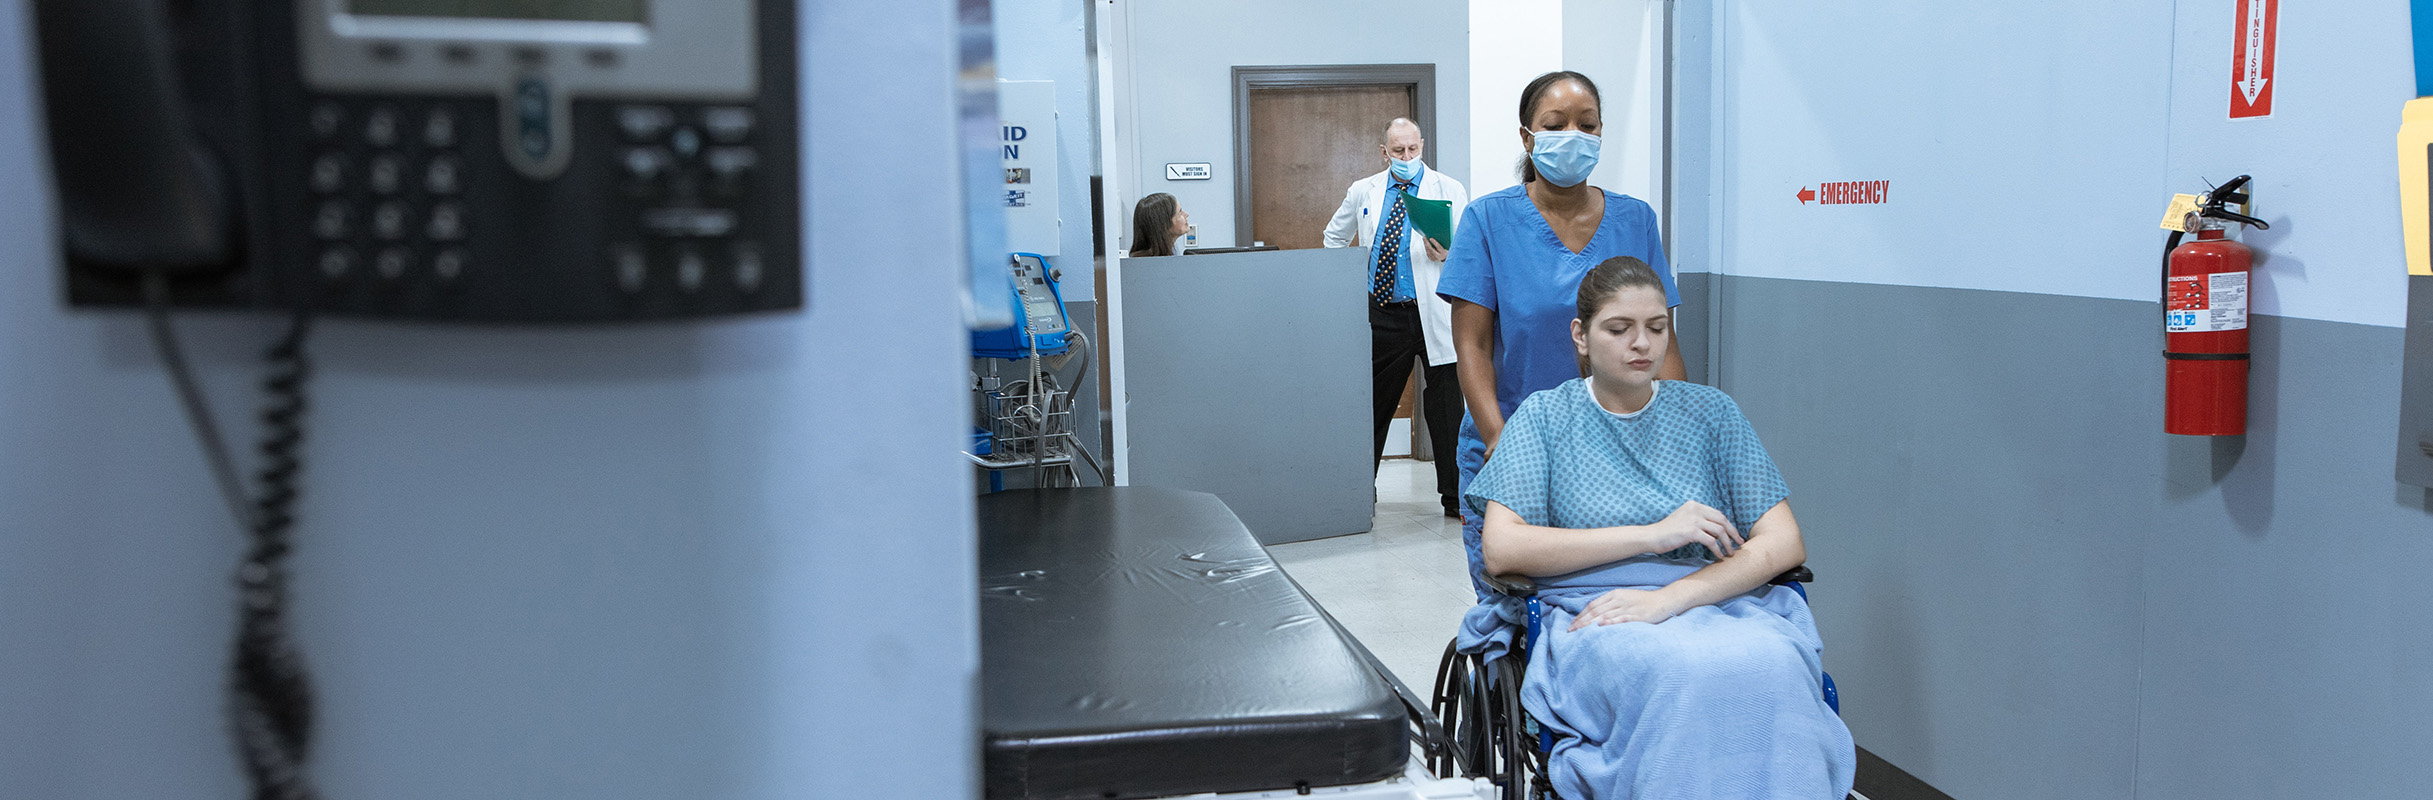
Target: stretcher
1137 642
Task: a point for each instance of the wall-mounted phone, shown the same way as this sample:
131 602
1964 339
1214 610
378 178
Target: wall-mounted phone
481 160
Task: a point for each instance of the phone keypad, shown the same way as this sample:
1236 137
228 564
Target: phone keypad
385 181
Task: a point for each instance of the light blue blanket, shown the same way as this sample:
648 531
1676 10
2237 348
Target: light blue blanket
1724 701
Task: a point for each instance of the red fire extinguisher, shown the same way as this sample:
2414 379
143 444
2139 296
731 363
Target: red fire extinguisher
2205 291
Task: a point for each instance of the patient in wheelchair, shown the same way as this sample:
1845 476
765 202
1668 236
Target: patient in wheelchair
1651 519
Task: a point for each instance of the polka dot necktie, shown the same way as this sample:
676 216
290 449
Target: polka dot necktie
1389 249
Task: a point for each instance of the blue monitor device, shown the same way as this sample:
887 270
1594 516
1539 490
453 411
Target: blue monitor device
1040 321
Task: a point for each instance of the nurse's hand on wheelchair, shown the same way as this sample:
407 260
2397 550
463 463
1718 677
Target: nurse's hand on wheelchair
1625 605
1695 523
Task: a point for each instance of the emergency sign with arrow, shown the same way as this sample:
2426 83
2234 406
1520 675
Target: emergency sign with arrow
2252 63
1834 193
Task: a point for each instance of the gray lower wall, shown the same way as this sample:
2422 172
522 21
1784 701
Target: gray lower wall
1246 375
1690 321
2028 590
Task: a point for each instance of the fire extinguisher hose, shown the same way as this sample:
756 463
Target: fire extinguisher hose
2170 243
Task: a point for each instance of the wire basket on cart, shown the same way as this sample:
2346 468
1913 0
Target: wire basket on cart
1028 428
1025 418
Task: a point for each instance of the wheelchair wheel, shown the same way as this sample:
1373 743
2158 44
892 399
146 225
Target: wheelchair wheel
1456 708
1480 706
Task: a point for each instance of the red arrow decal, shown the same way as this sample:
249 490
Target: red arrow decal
1806 194
2251 75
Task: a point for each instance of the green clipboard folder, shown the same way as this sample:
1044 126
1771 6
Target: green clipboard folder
1433 218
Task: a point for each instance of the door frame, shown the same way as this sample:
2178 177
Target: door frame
1421 78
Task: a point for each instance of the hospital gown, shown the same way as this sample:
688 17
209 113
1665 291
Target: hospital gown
1506 259
1723 701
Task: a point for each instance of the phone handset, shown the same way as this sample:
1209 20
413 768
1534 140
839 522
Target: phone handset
138 190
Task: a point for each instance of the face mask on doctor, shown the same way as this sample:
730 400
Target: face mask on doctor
1564 158
1405 171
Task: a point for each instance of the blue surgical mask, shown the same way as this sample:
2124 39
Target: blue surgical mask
1405 171
1564 158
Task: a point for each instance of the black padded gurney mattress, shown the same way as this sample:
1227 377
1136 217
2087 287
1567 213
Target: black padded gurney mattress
1137 642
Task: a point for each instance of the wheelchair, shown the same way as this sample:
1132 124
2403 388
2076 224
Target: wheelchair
1477 704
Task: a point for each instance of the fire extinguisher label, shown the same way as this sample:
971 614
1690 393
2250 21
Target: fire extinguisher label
2206 303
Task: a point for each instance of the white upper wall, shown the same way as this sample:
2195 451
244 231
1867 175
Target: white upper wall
2032 147
1177 83
1959 106
2327 176
1509 46
1620 45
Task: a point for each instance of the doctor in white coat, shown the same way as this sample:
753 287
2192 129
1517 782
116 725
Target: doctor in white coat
1406 319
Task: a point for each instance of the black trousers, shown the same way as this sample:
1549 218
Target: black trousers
1395 342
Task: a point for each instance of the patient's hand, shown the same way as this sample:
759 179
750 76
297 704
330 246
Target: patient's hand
1696 523
1624 605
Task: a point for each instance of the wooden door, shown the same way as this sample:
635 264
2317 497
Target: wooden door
1307 145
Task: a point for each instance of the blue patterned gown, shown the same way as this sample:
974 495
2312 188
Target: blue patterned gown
1724 701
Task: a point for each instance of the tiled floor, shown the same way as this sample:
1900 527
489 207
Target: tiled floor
1401 588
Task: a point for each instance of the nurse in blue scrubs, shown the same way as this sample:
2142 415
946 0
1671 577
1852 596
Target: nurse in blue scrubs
1518 256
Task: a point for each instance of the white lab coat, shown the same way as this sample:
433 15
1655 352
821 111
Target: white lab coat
1355 223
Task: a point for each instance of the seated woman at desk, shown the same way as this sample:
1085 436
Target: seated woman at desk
1158 222
1652 519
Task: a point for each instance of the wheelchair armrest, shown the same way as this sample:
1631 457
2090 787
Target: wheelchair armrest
1512 585
1522 586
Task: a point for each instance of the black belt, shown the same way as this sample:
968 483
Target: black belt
1397 303
2204 356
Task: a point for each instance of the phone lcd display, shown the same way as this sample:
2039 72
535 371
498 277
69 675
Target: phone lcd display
576 10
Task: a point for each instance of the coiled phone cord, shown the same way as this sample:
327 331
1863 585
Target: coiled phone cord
270 702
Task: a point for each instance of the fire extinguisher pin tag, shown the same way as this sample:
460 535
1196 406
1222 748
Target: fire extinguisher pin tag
2181 215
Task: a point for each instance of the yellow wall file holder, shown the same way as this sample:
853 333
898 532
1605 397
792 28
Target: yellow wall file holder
2415 213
